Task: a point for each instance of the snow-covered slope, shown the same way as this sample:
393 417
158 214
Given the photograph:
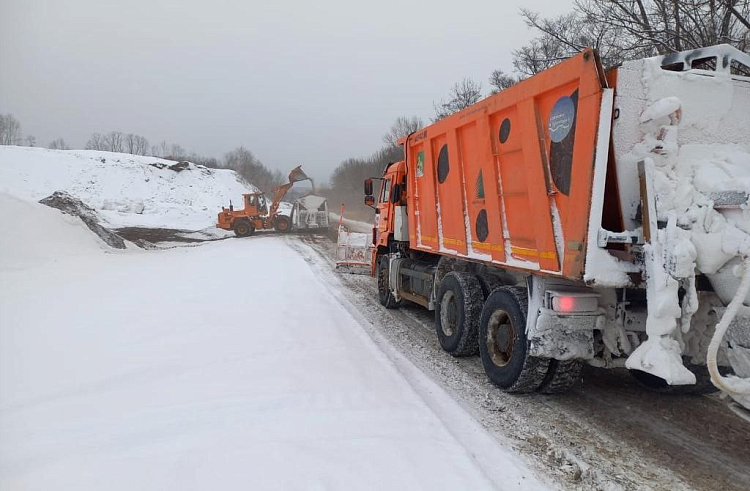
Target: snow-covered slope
34 234
127 190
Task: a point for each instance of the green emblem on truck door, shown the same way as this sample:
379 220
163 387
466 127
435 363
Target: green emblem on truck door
480 185
420 164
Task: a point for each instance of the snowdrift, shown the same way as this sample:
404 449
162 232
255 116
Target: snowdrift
34 234
127 190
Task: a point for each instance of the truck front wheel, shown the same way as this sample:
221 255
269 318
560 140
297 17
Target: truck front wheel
503 345
459 306
385 296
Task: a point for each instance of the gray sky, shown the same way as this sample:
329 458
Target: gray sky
308 83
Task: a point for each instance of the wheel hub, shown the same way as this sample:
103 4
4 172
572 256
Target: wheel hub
448 314
501 337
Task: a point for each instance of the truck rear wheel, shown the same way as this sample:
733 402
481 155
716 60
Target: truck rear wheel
503 345
243 228
385 295
282 224
561 377
459 306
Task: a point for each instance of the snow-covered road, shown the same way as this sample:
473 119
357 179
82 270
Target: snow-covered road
223 366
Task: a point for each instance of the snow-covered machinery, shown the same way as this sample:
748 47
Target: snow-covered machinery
584 216
310 213
353 249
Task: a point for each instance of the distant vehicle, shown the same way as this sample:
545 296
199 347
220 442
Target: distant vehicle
557 223
310 213
256 214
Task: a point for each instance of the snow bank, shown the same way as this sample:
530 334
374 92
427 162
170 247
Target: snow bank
127 190
34 235
352 225
176 386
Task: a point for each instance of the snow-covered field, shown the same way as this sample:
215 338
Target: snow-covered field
203 368
127 190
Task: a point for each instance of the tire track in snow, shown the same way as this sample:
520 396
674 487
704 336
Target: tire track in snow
608 433
485 450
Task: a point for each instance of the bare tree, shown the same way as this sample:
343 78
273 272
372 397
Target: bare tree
667 26
30 140
58 144
135 144
113 141
141 145
629 29
96 142
400 128
176 152
10 130
462 95
499 80
248 166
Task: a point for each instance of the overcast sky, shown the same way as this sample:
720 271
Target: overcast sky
303 82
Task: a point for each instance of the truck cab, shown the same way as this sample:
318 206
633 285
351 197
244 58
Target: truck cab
391 196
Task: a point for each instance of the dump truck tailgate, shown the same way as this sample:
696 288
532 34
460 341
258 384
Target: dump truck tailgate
509 180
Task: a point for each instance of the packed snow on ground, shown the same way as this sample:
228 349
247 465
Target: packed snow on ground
127 190
225 366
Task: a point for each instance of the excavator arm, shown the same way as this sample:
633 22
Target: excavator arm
278 193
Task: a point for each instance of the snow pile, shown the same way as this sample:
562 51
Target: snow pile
689 177
312 202
127 190
75 207
35 235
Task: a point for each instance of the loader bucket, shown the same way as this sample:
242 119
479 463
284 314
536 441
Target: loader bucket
298 174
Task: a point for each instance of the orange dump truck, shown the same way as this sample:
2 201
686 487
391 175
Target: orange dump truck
541 226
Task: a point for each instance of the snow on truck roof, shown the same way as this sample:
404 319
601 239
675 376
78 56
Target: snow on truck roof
311 201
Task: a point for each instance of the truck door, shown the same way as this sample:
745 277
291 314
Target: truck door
251 205
384 211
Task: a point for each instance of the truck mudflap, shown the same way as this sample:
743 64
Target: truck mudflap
563 337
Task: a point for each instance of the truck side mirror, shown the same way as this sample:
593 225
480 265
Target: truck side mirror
369 200
368 187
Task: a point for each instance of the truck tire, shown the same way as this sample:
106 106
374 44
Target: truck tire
561 376
489 283
282 224
459 306
385 296
243 228
503 345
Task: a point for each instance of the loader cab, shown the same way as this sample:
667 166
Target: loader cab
255 204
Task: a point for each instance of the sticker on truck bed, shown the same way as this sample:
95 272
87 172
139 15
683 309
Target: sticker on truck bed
561 119
420 164
561 126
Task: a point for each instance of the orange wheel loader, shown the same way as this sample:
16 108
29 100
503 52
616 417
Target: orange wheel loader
256 214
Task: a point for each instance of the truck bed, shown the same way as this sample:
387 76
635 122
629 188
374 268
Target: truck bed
509 180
